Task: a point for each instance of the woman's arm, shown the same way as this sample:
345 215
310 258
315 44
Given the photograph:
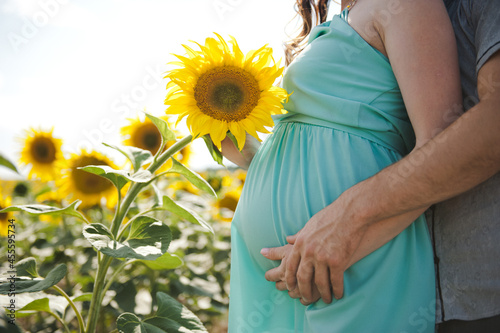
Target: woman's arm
420 44
241 158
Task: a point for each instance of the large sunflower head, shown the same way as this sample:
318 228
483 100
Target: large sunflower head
220 89
78 184
43 152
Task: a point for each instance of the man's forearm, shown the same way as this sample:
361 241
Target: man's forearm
462 156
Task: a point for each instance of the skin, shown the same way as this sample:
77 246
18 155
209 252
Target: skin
449 163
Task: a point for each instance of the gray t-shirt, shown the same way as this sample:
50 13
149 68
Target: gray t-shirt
466 229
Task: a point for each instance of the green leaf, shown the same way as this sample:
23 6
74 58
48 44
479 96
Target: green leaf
185 213
138 157
191 176
83 297
162 126
171 316
130 323
23 286
8 164
27 267
47 210
212 149
37 305
233 139
166 261
30 303
118 177
148 239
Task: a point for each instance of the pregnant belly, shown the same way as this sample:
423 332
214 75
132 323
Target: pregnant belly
298 171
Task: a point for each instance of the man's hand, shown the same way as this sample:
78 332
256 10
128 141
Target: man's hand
321 253
278 274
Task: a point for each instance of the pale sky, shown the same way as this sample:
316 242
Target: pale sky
84 66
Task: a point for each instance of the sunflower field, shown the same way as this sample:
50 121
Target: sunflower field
57 269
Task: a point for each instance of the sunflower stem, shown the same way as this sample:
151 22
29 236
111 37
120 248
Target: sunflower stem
73 306
97 294
116 272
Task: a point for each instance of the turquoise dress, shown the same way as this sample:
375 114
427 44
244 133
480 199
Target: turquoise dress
346 122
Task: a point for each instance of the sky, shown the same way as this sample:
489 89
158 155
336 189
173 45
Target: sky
83 67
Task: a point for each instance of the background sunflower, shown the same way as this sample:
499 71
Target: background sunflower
78 184
4 217
219 89
43 152
142 133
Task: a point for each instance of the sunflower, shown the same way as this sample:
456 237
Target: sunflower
226 205
4 217
220 89
142 134
79 184
43 152
145 135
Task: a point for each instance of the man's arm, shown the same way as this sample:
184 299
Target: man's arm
462 156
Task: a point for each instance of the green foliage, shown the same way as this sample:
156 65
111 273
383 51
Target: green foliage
138 157
119 177
8 164
148 239
47 210
171 316
31 286
157 262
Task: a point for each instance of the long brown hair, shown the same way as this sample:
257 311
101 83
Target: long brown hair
305 9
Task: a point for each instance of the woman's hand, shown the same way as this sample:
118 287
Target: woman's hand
241 158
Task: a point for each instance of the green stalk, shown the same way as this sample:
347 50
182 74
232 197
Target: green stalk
116 272
72 304
97 294
121 212
66 328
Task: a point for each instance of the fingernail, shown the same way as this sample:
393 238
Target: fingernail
264 251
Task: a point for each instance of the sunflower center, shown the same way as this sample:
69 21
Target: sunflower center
148 137
87 182
43 150
227 93
3 216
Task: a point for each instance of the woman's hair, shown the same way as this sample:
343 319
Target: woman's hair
307 9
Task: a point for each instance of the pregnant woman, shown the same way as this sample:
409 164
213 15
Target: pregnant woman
373 83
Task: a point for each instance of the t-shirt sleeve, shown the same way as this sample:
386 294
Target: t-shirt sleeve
486 20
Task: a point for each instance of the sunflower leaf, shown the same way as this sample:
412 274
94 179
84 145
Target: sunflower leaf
83 297
183 212
162 125
233 139
8 164
171 316
118 177
212 149
148 239
30 286
47 210
137 156
41 304
27 267
191 176
166 261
